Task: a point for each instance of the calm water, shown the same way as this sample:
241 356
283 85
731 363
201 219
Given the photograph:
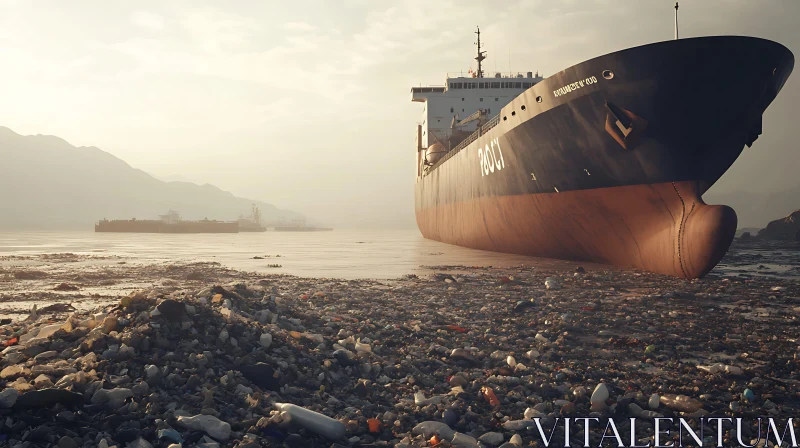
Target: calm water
338 254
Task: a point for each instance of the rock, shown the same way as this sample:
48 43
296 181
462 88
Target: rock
127 435
516 440
109 324
45 356
139 443
114 397
46 398
492 438
345 357
171 309
748 395
428 428
151 371
600 394
8 397
654 401
294 441
170 435
519 425
210 425
262 375
681 403
458 380
265 340
67 442
462 354
12 372
463 441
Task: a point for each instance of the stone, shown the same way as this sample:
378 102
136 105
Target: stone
46 398
210 425
430 428
12 372
113 397
45 356
8 397
171 309
681 403
67 442
139 443
600 394
262 375
265 340
492 438
109 324
462 354
654 401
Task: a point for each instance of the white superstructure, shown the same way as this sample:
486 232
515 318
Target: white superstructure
461 96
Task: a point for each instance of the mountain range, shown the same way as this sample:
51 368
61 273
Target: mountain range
48 184
758 209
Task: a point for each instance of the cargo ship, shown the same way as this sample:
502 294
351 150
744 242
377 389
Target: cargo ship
605 161
169 223
252 223
299 225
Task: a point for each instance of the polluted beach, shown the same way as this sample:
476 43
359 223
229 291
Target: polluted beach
601 250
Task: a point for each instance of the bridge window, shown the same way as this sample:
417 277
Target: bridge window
526 85
495 85
517 85
481 85
451 110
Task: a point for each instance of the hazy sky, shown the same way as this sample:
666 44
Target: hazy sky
306 104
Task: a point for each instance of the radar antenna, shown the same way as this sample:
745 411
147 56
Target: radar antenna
481 54
676 20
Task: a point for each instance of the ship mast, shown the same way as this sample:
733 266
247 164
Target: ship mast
676 20
481 54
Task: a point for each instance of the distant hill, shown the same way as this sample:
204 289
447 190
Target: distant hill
48 184
758 209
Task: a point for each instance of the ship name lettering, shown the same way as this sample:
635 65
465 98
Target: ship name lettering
574 86
490 158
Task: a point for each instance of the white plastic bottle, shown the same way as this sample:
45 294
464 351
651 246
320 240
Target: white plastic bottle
314 421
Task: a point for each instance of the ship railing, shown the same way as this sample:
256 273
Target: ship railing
464 143
487 75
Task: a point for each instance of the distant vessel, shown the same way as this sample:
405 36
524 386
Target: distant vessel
252 223
169 223
299 225
605 161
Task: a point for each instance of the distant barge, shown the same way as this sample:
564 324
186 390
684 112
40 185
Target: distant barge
169 223
299 225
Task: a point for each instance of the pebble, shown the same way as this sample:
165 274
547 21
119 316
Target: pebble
8 397
491 438
654 401
600 394
209 424
362 352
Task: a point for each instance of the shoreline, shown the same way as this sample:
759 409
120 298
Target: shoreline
385 356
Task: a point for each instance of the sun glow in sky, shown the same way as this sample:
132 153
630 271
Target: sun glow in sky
306 104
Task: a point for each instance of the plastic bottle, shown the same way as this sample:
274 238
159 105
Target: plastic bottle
314 421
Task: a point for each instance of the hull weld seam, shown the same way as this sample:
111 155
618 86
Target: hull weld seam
680 229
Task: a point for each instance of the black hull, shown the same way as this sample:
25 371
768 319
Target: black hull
686 109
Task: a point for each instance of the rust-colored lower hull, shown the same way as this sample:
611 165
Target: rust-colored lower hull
664 228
